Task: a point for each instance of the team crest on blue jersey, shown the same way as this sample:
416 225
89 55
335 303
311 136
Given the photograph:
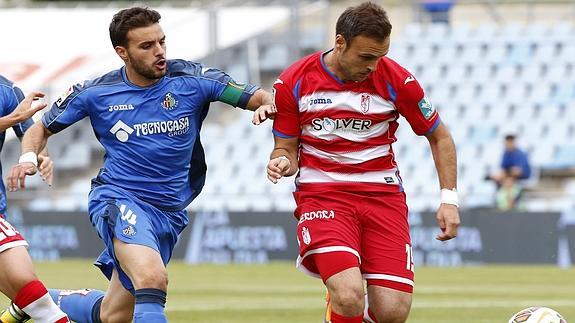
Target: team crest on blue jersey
426 108
169 101
365 99
129 231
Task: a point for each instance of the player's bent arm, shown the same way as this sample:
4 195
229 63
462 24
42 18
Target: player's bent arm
33 142
443 151
444 156
35 139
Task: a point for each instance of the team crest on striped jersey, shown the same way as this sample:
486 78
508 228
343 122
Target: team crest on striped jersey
365 98
169 102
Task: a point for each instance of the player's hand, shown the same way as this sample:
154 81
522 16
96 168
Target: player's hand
278 168
264 112
18 175
448 220
25 109
46 168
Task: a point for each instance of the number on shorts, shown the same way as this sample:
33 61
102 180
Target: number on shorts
409 254
6 230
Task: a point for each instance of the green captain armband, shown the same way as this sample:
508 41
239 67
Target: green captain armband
233 93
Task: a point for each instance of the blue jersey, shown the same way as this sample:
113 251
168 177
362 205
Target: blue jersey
151 135
10 96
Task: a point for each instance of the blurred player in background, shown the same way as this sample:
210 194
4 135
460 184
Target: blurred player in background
18 280
148 116
336 117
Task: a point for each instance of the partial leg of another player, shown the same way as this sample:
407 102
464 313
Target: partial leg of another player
93 306
19 282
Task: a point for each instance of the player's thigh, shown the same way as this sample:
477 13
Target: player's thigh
142 264
389 305
386 243
118 303
16 270
327 226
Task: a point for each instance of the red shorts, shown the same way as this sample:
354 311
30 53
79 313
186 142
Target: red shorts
9 237
371 226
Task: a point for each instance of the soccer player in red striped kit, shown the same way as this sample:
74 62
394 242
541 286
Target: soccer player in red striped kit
337 114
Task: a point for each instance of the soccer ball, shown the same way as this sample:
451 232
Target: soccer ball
537 315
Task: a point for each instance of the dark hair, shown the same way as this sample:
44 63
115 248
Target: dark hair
128 19
510 137
367 19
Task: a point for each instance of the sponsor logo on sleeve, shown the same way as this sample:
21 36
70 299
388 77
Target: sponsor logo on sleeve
426 108
64 96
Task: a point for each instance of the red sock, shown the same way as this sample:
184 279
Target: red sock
336 318
36 302
29 293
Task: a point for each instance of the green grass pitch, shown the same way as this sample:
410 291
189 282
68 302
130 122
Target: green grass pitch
279 293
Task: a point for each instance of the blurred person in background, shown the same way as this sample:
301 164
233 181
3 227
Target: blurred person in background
336 119
18 281
507 196
514 163
515 168
147 115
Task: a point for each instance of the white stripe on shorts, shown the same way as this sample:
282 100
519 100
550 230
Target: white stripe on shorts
389 277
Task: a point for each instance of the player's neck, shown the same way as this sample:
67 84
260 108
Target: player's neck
332 65
138 79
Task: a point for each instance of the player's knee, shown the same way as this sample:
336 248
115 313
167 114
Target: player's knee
395 310
350 301
153 279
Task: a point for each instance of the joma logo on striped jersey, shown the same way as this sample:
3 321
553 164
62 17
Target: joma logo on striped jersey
331 125
312 101
171 127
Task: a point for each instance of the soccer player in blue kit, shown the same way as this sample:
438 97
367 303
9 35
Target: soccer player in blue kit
148 116
18 281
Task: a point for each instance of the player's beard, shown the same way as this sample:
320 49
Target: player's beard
149 72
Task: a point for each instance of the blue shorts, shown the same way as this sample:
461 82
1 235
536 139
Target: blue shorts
115 213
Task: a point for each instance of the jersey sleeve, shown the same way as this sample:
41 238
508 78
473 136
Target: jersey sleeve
227 90
68 109
11 100
416 107
286 122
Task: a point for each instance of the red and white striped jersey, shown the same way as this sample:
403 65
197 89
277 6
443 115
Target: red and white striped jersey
346 130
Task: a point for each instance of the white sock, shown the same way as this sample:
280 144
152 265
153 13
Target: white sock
44 310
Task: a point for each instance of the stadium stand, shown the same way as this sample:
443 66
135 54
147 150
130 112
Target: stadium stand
486 79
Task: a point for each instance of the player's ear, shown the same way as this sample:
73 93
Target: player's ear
339 42
122 52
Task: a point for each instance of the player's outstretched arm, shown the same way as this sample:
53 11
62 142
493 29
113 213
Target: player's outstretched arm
283 159
23 111
262 105
33 142
443 151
